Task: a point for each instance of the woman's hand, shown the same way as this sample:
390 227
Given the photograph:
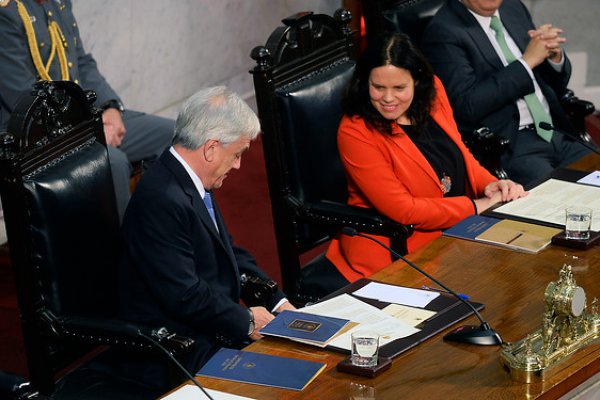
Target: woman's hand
499 192
507 189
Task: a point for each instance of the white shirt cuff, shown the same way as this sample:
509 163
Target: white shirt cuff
279 304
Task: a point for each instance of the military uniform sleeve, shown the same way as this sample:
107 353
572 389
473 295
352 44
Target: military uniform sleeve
16 69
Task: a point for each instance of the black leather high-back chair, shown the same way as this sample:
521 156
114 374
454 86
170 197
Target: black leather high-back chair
62 226
299 79
411 17
406 16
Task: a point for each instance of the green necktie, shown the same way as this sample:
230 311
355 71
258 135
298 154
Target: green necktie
533 103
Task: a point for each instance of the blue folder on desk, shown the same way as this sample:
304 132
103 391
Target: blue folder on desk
307 328
471 227
261 369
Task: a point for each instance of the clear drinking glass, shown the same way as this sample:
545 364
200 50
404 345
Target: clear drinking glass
365 348
578 222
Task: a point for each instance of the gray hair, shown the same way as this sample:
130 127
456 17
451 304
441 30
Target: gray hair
214 113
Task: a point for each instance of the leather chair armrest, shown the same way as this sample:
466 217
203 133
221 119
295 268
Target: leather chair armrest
577 109
363 219
121 333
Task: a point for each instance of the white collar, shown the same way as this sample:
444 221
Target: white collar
483 21
195 178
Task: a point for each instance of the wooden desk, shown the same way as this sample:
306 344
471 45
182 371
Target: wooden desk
510 284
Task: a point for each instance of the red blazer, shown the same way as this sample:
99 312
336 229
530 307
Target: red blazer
390 174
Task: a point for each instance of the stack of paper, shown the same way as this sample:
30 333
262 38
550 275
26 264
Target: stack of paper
507 233
365 315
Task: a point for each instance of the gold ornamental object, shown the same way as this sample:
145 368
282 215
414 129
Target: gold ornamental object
567 326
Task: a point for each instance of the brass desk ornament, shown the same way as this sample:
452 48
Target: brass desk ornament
566 328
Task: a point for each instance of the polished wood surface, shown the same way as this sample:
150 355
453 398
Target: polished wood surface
510 284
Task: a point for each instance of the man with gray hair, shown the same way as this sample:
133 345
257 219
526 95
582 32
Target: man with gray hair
179 267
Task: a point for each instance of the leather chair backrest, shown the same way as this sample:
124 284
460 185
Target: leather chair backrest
59 203
410 17
310 111
74 228
405 16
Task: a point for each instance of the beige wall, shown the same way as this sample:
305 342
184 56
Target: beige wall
156 53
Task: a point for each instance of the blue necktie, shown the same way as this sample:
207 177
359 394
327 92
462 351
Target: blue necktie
209 206
533 103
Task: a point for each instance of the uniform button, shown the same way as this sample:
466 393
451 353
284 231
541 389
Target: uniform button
42 44
74 24
76 81
70 64
49 13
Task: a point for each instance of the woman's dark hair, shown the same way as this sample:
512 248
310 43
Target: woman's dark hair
396 50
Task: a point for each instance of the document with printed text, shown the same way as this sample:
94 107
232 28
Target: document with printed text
367 316
396 294
548 201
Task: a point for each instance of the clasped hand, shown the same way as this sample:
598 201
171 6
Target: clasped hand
499 191
545 42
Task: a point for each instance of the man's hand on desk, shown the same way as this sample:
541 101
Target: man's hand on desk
261 317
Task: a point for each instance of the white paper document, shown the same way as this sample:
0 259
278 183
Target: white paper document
548 202
591 179
396 294
191 392
411 315
367 316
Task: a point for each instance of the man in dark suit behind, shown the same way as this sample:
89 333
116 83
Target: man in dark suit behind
487 89
179 268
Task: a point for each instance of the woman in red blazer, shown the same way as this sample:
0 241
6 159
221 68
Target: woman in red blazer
404 156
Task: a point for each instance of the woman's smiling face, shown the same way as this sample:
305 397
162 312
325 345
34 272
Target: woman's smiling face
391 90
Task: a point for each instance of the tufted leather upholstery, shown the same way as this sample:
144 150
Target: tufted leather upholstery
310 113
78 258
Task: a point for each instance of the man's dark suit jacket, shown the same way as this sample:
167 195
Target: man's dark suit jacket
481 90
177 271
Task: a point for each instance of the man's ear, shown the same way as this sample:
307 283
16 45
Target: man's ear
209 149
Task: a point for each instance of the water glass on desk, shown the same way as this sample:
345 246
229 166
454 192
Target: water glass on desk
578 222
365 349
